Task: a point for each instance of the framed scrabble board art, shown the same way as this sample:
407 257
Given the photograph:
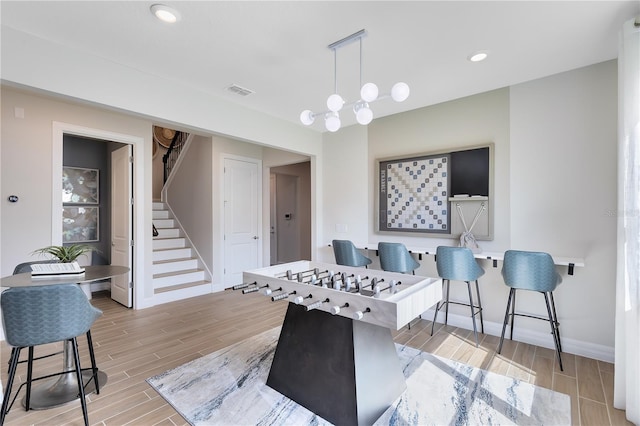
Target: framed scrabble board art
414 193
423 193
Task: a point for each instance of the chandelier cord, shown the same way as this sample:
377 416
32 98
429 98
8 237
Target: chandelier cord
335 70
360 61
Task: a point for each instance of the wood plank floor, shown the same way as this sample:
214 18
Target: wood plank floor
134 345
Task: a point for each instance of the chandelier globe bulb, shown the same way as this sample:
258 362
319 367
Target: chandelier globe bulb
307 117
335 102
364 115
332 121
400 92
369 92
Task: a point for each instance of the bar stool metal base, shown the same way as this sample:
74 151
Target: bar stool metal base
552 319
475 309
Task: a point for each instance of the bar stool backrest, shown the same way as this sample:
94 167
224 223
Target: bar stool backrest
457 264
39 315
394 257
529 270
347 254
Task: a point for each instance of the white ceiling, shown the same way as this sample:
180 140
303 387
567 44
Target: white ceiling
279 49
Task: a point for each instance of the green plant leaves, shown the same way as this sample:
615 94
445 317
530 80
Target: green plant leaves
66 254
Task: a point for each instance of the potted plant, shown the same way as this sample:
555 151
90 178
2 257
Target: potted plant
66 254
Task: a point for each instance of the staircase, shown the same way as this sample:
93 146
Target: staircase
177 273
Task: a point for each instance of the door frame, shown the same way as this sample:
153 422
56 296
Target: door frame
273 223
59 130
221 225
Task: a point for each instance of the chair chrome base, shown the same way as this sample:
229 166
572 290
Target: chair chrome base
64 387
61 390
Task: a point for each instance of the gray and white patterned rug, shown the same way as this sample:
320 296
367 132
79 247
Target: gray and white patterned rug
228 387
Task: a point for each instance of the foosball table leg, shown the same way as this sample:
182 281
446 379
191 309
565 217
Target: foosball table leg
344 370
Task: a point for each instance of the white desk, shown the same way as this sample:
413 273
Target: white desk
92 273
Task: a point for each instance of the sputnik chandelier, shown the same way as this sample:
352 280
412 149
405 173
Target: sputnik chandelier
368 93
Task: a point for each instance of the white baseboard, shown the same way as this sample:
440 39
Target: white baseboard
532 337
185 293
215 288
101 286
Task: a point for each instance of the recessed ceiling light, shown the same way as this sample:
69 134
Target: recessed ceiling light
165 13
478 56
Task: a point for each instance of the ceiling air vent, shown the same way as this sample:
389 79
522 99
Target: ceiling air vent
234 88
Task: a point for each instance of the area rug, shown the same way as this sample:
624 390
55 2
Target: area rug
228 387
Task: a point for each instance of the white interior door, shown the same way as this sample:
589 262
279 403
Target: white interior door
121 219
241 219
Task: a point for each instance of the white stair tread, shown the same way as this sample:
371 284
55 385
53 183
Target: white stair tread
164 223
178 259
181 286
177 273
159 249
169 254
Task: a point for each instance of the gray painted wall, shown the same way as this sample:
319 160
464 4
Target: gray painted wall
93 154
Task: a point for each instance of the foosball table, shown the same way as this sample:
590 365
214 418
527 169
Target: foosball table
335 355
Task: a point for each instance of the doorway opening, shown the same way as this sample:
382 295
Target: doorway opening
83 159
96 206
135 211
290 218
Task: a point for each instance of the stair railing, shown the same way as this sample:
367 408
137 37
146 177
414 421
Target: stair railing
170 158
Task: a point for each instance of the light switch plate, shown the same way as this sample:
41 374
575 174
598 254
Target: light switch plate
341 228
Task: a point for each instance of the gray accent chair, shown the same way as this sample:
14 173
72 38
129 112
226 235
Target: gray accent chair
39 315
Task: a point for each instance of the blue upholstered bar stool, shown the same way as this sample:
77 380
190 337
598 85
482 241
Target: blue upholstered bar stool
394 257
533 271
458 264
348 255
39 315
